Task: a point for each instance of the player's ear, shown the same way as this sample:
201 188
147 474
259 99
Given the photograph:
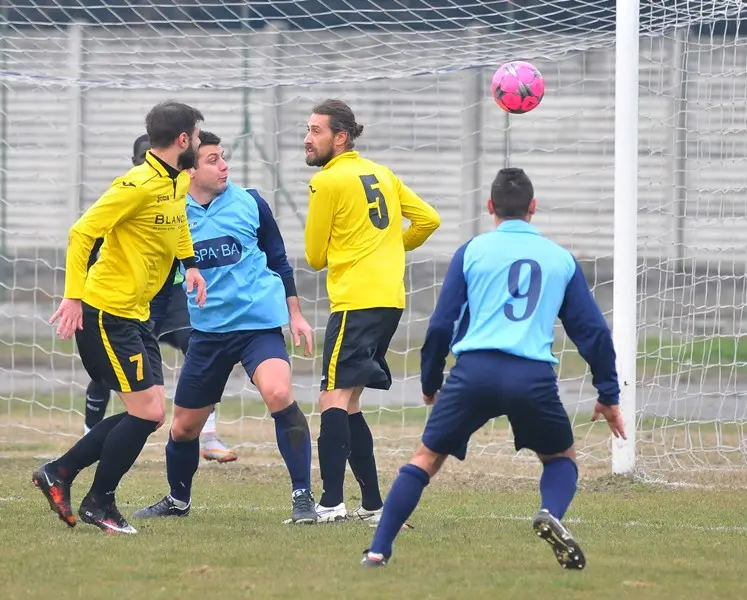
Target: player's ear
491 210
183 140
532 206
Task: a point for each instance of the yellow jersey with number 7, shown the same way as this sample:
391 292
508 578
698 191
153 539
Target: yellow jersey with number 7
354 228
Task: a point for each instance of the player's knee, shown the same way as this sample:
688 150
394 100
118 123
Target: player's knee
569 453
148 404
155 411
188 423
335 399
428 460
277 396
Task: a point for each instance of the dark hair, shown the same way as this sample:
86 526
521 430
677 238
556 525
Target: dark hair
511 193
341 118
206 139
168 120
140 140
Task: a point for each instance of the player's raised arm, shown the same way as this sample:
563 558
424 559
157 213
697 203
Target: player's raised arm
588 330
118 203
449 309
424 219
318 223
270 241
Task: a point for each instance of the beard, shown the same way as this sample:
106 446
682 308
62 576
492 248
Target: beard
319 160
187 159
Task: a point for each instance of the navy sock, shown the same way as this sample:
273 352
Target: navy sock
363 463
334 447
400 503
558 485
97 399
294 443
120 449
182 461
87 450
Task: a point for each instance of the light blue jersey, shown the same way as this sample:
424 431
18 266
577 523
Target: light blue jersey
503 292
516 282
242 292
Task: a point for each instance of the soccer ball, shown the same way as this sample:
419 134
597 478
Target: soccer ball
517 87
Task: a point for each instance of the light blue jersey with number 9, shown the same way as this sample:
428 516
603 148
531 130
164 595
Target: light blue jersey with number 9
516 283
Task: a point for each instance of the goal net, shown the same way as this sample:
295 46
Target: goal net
77 78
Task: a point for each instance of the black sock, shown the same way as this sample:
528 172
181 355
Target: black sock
97 399
363 463
333 446
121 448
87 450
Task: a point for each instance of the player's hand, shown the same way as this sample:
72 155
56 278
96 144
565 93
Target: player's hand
194 279
429 400
70 314
300 327
613 416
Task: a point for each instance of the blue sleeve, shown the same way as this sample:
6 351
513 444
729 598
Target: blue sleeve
585 325
440 331
159 306
270 241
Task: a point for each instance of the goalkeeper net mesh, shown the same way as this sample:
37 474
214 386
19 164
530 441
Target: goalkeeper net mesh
77 78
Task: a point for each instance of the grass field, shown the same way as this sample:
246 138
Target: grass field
472 536
472 539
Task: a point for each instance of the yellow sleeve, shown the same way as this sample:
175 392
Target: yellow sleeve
424 219
318 224
185 248
117 204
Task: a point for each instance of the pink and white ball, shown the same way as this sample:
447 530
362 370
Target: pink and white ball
517 87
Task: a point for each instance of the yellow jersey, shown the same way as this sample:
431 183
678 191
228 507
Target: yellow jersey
142 218
354 227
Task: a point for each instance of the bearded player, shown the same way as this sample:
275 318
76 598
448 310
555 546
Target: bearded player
107 308
354 228
173 328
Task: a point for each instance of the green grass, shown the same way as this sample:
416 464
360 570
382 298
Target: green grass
707 355
471 540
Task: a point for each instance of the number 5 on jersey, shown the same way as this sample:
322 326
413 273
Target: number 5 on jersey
377 210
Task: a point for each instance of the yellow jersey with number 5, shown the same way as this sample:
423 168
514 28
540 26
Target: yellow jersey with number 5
354 228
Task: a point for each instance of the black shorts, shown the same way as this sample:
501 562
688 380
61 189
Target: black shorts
355 346
120 353
177 316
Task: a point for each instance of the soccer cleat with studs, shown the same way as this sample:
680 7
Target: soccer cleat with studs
215 449
303 508
57 492
373 560
104 516
564 546
165 507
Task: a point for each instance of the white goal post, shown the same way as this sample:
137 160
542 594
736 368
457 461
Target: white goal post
625 254
637 153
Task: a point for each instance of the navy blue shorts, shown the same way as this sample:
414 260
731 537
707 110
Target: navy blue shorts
212 356
484 385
